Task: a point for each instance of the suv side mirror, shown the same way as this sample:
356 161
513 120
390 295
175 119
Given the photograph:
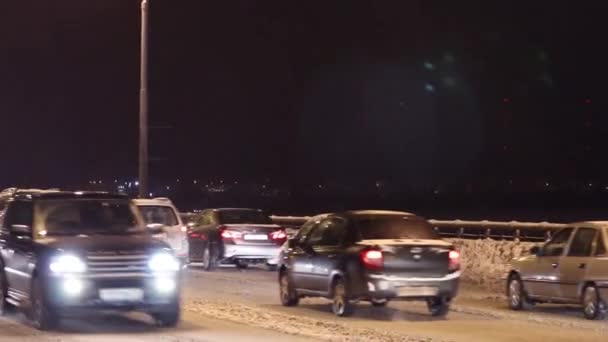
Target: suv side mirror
536 250
21 230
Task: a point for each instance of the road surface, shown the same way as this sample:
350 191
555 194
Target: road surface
232 305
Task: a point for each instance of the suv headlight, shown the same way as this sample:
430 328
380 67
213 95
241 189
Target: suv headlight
163 262
67 264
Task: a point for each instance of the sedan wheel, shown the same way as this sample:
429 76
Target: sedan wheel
207 259
341 305
516 295
593 306
289 297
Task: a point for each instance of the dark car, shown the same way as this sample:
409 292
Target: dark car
67 254
374 256
235 236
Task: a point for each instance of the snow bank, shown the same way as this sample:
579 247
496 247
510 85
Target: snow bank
485 262
320 329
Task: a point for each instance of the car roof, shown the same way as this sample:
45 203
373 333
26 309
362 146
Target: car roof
590 224
161 201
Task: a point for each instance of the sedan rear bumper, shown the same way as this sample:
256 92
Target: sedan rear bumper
267 253
390 287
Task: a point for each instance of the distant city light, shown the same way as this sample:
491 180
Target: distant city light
429 88
151 194
195 181
429 66
168 187
178 180
136 183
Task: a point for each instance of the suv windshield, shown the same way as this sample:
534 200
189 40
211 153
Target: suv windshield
158 214
394 227
244 216
83 216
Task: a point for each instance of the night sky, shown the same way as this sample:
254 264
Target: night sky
418 93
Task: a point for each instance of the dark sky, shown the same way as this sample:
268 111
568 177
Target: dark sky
424 92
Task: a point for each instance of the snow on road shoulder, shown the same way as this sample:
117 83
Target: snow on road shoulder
294 325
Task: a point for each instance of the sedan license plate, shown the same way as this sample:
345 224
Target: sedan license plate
121 295
256 237
417 291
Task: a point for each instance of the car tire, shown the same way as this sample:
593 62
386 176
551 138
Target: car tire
168 319
516 294
5 306
41 313
241 265
438 306
379 303
594 307
287 292
341 305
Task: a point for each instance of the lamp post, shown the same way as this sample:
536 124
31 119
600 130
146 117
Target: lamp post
143 103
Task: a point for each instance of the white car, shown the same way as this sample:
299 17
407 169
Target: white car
161 211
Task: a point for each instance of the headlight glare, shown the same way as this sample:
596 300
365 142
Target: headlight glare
163 262
67 264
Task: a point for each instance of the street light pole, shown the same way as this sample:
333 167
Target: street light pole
143 103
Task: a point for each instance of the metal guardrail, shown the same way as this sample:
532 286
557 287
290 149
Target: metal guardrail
497 230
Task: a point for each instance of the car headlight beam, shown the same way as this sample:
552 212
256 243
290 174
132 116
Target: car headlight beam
163 262
67 264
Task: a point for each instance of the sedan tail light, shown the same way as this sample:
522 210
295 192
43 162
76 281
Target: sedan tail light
454 260
230 235
279 236
372 259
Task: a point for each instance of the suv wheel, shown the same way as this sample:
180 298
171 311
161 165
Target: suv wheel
516 294
4 305
341 305
288 294
241 265
168 319
41 314
593 306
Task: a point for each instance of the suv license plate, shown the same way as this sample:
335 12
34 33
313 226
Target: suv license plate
415 291
121 295
257 237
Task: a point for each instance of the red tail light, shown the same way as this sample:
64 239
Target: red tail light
372 259
454 258
278 236
228 234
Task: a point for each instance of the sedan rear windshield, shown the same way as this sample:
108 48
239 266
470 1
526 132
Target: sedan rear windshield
244 216
394 227
77 217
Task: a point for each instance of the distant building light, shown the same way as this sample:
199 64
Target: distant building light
195 181
100 182
429 66
136 183
116 181
168 187
429 88
151 195
178 180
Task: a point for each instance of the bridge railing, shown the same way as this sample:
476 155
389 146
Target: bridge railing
497 230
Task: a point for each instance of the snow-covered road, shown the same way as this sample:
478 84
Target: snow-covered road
232 305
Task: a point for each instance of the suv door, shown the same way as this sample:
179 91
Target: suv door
542 279
573 267
327 248
17 249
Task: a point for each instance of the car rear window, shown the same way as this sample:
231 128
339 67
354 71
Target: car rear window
158 214
244 216
394 227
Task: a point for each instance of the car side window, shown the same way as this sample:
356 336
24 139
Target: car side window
304 231
582 243
330 232
600 247
557 245
19 213
203 220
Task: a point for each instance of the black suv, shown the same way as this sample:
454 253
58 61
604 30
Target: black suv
71 253
374 256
